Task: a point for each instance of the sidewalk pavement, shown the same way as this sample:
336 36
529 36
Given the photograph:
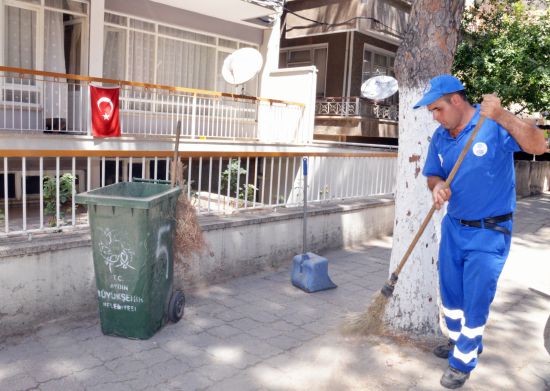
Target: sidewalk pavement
261 333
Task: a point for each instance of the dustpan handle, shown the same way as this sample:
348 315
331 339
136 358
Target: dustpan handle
304 225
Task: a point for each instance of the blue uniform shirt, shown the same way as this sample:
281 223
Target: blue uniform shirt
484 185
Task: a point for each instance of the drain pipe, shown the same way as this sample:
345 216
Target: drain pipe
345 66
350 63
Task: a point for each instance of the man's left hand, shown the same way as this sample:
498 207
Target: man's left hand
491 107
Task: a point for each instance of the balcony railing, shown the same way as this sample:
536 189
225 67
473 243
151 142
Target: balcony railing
36 101
215 182
356 107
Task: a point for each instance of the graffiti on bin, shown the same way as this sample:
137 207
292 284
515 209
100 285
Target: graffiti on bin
115 252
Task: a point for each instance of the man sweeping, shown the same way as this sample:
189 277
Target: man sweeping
476 231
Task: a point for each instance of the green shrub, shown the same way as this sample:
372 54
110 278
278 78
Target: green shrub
234 170
249 189
65 192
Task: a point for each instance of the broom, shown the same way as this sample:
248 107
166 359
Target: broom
371 321
189 238
175 159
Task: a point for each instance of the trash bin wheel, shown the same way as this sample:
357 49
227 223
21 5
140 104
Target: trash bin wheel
175 309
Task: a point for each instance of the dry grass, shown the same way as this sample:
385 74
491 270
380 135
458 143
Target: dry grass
189 238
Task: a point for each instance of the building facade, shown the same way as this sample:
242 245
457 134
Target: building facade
349 42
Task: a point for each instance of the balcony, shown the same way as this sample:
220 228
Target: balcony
36 102
356 107
343 117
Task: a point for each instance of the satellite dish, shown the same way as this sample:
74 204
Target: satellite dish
242 65
379 87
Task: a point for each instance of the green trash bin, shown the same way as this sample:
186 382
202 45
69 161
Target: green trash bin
132 226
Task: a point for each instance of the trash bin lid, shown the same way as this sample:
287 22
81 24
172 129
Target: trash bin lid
128 194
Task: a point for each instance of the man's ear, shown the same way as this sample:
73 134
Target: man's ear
455 99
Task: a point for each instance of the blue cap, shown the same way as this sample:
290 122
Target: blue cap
439 86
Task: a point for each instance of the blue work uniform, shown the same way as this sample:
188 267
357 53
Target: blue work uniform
476 231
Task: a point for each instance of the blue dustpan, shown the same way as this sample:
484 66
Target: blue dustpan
309 270
310 273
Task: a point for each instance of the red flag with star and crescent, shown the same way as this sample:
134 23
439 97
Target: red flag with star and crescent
105 113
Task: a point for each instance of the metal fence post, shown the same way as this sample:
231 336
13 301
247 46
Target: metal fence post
194 116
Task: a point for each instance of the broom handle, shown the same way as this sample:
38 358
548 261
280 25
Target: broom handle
175 158
447 184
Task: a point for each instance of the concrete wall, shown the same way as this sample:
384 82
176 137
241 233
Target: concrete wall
52 277
532 177
293 85
44 281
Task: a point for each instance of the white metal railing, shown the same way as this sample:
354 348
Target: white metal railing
355 106
337 106
216 183
35 101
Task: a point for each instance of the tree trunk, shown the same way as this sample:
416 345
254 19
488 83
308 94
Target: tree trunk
427 50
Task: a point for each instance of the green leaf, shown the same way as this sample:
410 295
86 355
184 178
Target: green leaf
506 49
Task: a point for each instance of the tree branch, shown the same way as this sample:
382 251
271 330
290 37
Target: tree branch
522 109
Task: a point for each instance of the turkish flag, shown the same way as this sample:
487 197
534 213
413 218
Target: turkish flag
105 113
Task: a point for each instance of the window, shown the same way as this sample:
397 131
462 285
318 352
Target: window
148 52
186 64
49 35
114 53
376 63
305 56
20 51
141 52
20 37
63 29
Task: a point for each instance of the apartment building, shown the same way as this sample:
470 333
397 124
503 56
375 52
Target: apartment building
349 42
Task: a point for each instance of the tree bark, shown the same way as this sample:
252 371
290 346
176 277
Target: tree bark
427 50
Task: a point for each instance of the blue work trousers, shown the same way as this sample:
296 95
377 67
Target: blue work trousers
470 262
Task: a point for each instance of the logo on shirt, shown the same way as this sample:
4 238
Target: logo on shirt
479 149
440 159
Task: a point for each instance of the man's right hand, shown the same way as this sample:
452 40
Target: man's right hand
441 193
